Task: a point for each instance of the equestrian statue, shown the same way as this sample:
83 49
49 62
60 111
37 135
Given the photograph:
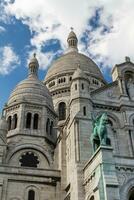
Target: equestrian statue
99 133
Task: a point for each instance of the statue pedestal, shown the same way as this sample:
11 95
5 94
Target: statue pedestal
100 178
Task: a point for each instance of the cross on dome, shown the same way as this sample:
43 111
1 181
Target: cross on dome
72 28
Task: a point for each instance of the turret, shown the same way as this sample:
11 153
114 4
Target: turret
124 74
80 93
33 66
72 41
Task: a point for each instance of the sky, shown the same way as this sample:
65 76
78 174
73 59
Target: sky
105 30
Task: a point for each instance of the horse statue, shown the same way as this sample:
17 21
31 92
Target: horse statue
99 134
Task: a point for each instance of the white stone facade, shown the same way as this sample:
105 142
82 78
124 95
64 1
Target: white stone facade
45 147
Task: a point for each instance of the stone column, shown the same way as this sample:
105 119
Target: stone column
21 117
100 175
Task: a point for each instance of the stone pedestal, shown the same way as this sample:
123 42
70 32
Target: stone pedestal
100 180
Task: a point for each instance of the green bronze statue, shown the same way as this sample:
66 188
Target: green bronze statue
99 133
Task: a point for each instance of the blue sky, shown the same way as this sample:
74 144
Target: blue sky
43 28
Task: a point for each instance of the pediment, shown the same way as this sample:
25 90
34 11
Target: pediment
108 93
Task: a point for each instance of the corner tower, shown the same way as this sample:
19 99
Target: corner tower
27 165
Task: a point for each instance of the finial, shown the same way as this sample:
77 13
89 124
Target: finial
127 59
71 28
34 55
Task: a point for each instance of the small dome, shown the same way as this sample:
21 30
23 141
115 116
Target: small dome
3 124
72 42
34 60
79 74
72 35
31 90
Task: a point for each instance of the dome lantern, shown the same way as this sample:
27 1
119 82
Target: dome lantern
33 66
72 41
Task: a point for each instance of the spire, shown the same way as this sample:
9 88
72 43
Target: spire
72 41
33 66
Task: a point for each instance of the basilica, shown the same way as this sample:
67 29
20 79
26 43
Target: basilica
46 150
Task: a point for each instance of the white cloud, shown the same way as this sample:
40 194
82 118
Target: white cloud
52 19
8 60
2 29
44 59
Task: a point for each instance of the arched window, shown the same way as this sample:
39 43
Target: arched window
9 120
131 194
29 159
84 110
82 86
62 111
75 86
35 121
31 195
92 198
14 121
48 126
51 128
28 120
110 122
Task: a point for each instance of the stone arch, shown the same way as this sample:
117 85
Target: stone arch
48 126
66 101
113 130
36 121
28 120
125 70
91 197
62 110
126 188
129 81
112 117
9 121
131 120
14 121
26 147
51 128
32 188
131 194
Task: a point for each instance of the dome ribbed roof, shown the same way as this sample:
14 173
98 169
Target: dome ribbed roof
69 63
31 90
72 35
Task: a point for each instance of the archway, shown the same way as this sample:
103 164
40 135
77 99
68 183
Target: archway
131 194
62 111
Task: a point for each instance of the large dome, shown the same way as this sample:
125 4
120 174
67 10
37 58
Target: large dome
69 62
